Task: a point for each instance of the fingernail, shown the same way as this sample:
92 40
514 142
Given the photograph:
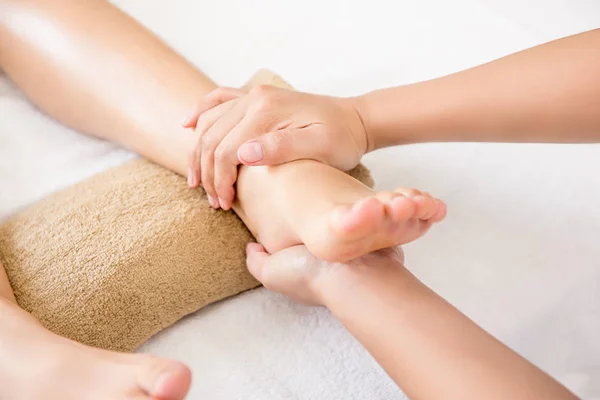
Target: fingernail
190 178
251 152
212 201
222 204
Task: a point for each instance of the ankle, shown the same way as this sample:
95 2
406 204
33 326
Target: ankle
261 199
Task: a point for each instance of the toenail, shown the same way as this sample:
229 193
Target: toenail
160 382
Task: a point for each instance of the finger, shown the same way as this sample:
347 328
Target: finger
226 159
193 172
256 260
211 100
281 146
204 123
210 141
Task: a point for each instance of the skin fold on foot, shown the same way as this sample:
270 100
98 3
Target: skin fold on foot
37 364
334 215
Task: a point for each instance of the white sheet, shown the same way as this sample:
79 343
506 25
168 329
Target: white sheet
519 252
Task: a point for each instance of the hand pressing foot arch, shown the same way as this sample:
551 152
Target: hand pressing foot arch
334 215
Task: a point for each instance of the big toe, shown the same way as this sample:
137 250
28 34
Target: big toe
164 379
359 219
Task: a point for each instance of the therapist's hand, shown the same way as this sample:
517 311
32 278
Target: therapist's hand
267 126
296 273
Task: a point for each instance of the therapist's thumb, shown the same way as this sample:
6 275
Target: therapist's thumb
257 261
276 147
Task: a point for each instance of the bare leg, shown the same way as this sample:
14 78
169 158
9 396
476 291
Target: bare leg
97 70
114 79
5 289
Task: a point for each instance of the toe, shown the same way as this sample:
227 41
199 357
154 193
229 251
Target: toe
385 197
441 210
402 208
408 192
360 219
165 379
426 207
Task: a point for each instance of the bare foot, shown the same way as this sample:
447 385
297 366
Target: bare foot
37 364
376 222
334 215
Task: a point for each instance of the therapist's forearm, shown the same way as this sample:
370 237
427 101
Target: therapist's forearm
428 347
549 93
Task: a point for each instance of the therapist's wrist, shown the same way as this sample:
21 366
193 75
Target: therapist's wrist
363 105
388 117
